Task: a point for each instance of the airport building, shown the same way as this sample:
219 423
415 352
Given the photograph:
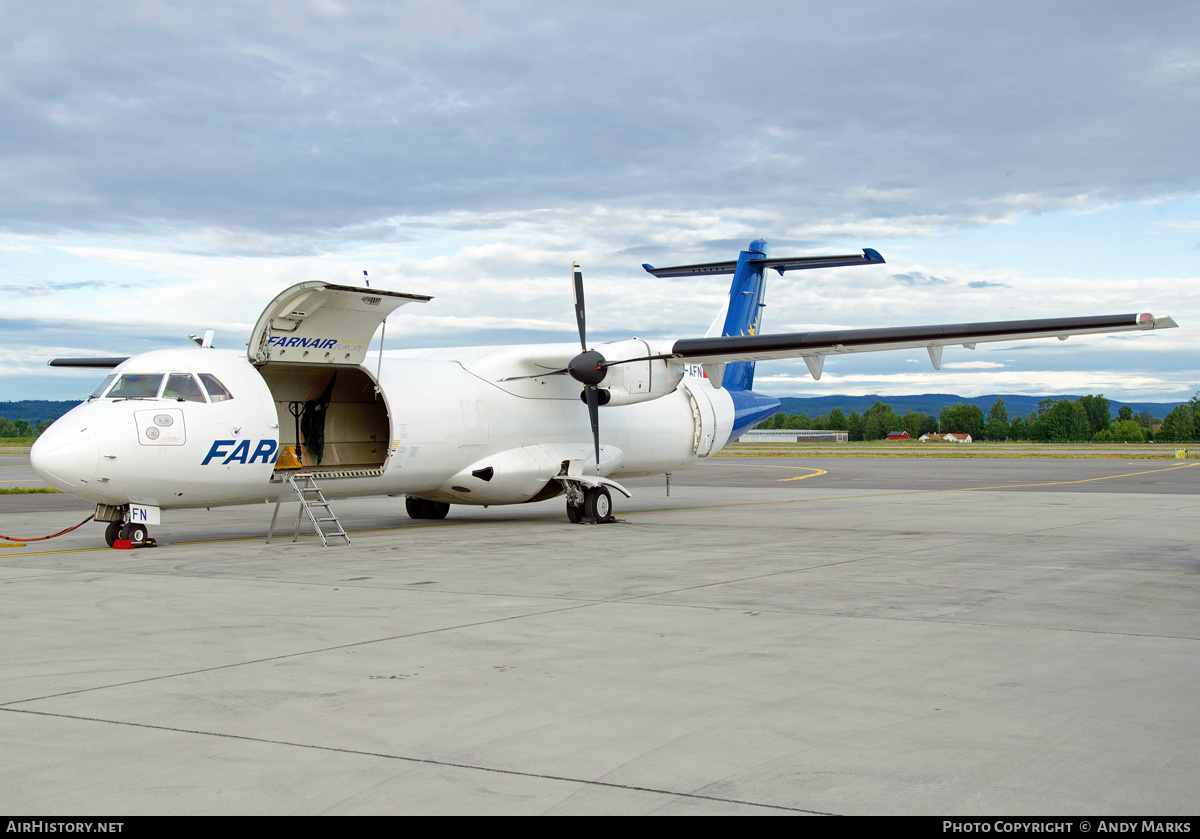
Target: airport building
793 435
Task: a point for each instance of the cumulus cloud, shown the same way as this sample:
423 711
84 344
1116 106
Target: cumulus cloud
192 160
916 278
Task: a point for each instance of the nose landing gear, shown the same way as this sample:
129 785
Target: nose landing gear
136 535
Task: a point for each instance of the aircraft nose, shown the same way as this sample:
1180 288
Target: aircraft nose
65 456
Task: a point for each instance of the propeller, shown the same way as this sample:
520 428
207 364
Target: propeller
588 368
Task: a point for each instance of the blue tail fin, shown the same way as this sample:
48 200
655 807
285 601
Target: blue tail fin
744 316
744 313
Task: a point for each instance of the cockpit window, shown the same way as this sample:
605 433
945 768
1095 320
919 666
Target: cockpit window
103 386
216 390
183 387
136 386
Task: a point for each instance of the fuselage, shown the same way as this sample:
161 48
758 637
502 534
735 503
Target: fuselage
421 423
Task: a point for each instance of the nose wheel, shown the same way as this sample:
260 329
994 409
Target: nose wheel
136 533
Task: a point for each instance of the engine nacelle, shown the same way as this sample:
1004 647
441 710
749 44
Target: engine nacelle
638 381
522 474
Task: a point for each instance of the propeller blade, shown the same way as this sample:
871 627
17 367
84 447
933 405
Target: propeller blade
593 402
587 368
561 372
577 278
667 357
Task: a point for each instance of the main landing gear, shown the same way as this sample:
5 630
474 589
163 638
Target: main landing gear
419 508
593 506
135 533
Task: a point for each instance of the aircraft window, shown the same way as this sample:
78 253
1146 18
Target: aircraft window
183 387
136 386
216 390
103 386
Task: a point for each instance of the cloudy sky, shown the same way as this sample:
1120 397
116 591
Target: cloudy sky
168 167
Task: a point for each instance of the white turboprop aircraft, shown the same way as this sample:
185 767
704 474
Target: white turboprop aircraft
201 427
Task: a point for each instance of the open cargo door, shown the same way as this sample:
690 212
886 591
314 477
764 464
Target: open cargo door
321 323
309 346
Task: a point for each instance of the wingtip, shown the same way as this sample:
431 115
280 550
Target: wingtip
1146 320
873 255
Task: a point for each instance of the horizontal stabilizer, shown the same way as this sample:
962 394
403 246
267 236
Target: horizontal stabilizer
869 256
104 363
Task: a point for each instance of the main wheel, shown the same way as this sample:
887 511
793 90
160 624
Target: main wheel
574 512
599 505
134 532
419 508
112 533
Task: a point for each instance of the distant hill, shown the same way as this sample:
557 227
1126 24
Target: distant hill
34 411
932 403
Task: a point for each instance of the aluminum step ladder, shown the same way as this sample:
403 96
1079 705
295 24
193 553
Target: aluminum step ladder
312 502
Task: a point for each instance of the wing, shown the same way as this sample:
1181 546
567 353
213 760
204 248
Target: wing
102 363
814 346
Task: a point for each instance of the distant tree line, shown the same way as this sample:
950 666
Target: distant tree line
1182 423
22 428
1054 421
874 424
34 411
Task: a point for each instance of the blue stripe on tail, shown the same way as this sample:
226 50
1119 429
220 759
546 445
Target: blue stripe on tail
749 409
745 310
745 318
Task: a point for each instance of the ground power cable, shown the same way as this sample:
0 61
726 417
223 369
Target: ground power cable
51 536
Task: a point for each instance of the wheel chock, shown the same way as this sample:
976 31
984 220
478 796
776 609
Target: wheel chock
127 545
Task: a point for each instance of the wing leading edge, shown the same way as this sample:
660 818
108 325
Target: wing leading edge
814 346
